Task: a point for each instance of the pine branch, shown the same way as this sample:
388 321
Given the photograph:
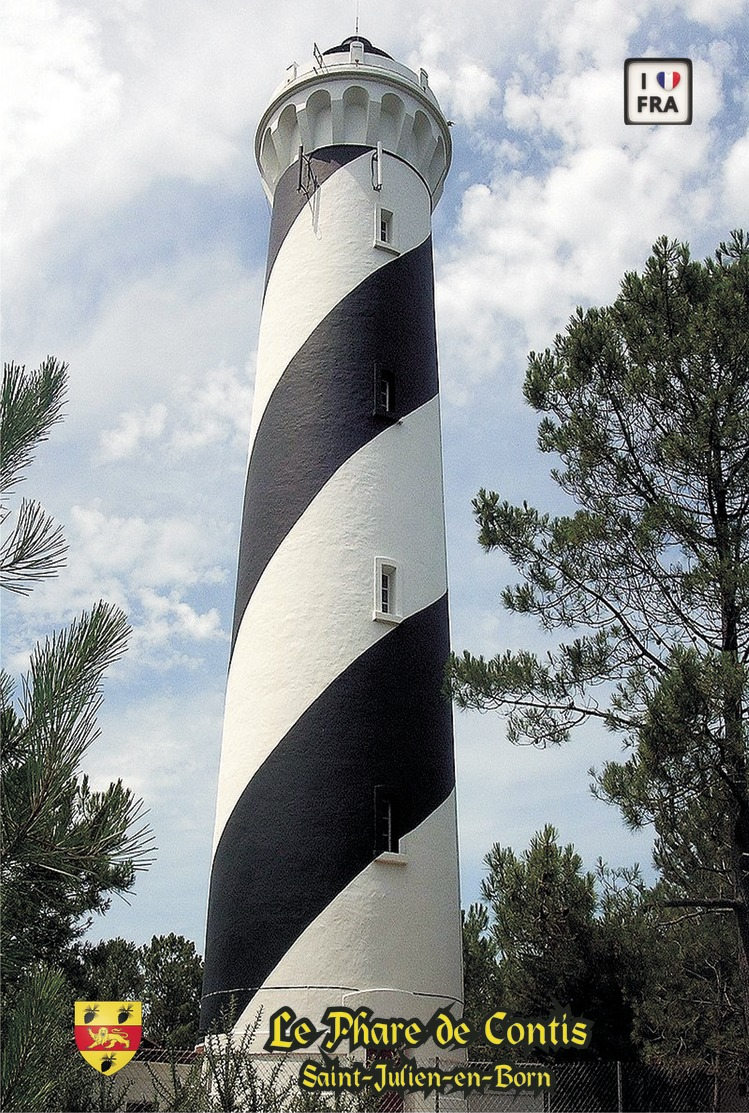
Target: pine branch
31 405
29 1033
33 551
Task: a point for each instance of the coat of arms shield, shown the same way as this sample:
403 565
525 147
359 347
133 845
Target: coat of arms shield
108 1033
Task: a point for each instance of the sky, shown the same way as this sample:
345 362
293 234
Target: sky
134 238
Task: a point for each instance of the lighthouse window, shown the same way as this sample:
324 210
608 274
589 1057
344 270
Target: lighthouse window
384 395
385 832
386 588
384 230
385 592
384 399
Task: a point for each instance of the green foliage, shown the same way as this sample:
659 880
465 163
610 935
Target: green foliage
172 983
235 1080
36 1037
110 970
557 942
181 1089
481 981
550 932
542 904
166 975
646 404
690 1010
31 403
230 1075
65 847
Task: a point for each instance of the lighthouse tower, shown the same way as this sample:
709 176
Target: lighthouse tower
335 878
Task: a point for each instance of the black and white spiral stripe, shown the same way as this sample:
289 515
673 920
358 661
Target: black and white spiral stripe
324 703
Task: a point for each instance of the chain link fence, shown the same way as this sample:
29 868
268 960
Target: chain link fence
157 1080
600 1087
620 1087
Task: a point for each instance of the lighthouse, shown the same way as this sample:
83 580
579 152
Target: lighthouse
335 871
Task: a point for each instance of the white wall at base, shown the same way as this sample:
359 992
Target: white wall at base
413 961
310 615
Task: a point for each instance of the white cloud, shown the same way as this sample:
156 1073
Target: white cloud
162 572
465 92
165 337
150 738
106 100
165 749
133 429
219 410
735 180
532 244
60 97
583 33
168 617
716 14
216 411
58 90
153 553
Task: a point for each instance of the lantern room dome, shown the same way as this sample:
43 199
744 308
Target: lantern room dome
344 47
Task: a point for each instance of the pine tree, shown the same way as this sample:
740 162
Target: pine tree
65 847
646 404
557 944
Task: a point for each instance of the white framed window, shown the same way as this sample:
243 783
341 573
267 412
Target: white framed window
384 230
387 587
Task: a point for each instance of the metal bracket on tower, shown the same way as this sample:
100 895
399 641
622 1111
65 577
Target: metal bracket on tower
377 168
307 183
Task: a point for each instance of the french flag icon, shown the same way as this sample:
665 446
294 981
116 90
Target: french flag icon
668 81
